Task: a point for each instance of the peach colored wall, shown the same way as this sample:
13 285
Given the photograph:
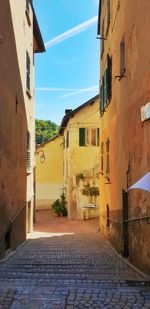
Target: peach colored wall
13 128
121 123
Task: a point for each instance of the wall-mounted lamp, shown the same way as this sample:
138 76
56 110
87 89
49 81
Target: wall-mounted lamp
42 157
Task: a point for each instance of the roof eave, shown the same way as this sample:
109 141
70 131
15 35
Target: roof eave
37 35
99 18
72 113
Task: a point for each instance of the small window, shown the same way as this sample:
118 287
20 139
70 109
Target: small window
109 77
28 88
88 136
81 136
98 136
27 5
106 86
27 11
107 157
108 14
67 139
122 58
102 157
28 152
102 40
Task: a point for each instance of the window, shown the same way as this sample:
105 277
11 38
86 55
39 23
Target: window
67 139
81 136
27 11
28 152
108 15
106 86
107 157
102 40
27 72
27 5
88 136
102 157
122 58
109 77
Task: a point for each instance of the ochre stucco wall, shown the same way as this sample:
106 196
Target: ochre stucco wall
81 160
49 174
121 123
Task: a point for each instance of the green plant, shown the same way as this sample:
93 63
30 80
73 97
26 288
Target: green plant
59 206
56 207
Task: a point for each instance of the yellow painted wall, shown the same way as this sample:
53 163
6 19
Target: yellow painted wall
49 174
80 159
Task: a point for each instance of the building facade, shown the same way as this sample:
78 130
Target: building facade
49 172
125 135
13 127
80 129
18 34
28 42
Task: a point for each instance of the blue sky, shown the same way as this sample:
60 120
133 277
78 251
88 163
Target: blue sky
67 75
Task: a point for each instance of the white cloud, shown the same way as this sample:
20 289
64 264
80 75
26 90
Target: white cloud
83 90
55 89
72 32
74 91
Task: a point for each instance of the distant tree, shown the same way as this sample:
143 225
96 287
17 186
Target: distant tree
44 130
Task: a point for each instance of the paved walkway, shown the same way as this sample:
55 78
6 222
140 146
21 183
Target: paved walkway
78 270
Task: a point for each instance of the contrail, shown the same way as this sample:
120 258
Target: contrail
72 32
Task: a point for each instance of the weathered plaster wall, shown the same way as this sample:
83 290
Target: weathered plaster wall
121 122
80 159
13 128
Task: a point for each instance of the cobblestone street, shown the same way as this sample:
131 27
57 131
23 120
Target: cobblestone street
78 270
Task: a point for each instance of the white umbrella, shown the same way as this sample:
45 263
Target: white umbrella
143 183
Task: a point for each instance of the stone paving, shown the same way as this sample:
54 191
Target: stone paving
70 271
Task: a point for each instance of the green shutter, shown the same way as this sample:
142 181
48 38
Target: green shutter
97 136
109 77
105 88
101 99
108 13
67 139
81 136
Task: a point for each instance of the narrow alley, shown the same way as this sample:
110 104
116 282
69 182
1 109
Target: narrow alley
59 269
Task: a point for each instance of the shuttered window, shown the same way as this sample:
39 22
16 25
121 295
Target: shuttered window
98 136
28 152
27 72
102 41
107 157
67 139
81 136
105 78
27 5
102 157
122 58
101 99
106 86
109 77
108 14
88 136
